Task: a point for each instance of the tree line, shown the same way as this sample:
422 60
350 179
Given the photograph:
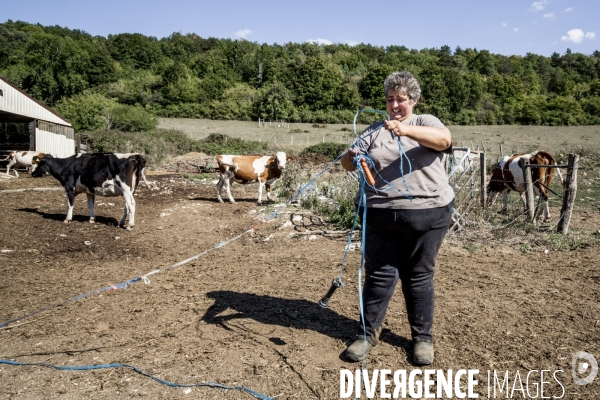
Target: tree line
127 80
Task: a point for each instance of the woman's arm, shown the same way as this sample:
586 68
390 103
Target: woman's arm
435 138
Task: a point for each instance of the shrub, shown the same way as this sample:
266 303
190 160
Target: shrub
160 145
157 145
132 118
92 111
328 149
217 143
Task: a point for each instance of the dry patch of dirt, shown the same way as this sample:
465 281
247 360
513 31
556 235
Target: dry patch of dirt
244 311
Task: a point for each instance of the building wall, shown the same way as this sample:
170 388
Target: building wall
55 144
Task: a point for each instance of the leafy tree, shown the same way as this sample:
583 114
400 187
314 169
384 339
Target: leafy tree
275 102
86 112
371 86
134 49
315 82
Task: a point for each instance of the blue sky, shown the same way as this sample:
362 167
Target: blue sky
504 27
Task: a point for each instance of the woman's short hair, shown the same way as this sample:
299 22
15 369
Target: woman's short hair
403 82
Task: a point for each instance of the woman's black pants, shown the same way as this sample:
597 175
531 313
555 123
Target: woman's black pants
402 244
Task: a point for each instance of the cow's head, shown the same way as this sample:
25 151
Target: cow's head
40 165
281 159
34 161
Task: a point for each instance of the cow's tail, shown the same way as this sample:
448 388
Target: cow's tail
562 180
139 170
5 158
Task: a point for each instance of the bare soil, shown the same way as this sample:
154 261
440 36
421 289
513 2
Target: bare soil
244 312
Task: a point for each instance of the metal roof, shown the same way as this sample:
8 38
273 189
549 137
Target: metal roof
16 105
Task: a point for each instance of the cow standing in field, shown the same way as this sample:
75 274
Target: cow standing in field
21 158
265 170
508 175
95 174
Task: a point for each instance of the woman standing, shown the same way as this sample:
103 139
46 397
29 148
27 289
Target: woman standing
409 210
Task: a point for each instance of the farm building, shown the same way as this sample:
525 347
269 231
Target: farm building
27 124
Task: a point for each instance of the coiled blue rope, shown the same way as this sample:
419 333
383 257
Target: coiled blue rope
139 371
360 144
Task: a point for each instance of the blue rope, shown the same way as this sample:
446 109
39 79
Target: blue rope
139 371
364 154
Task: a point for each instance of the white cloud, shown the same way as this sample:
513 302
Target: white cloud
549 16
577 36
352 43
503 23
516 29
242 33
320 41
538 5
569 9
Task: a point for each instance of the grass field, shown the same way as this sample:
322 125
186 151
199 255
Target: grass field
294 137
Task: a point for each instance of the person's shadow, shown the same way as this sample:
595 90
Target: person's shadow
297 314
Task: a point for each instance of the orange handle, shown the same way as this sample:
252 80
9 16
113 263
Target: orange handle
367 172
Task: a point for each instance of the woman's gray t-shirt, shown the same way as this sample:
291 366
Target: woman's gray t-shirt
420 181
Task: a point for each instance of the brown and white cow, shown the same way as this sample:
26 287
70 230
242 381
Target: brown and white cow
265 170
508 175
21 158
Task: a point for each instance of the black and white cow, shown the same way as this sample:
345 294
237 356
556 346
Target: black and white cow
94 175
143 165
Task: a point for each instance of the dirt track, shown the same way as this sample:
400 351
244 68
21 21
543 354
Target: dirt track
246 313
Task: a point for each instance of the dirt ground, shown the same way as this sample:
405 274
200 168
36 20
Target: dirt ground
244 312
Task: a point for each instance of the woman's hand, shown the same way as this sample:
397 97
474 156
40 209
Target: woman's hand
396 127
435 138
347 159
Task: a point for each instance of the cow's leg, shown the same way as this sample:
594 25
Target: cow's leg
14 169
228 183
268 191
219 187
70 204
523 198
491 199
544 204
90 203
546 209
505 193
129 206
260 190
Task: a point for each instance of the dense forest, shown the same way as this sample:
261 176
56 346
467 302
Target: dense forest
127 80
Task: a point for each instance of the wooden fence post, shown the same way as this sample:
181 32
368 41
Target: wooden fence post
483 192
529 203
570 192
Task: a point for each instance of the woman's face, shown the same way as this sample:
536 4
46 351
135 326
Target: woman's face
399 105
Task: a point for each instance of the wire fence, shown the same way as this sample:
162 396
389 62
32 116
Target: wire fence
479 218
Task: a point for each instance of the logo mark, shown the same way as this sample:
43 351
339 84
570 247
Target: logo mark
580 367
